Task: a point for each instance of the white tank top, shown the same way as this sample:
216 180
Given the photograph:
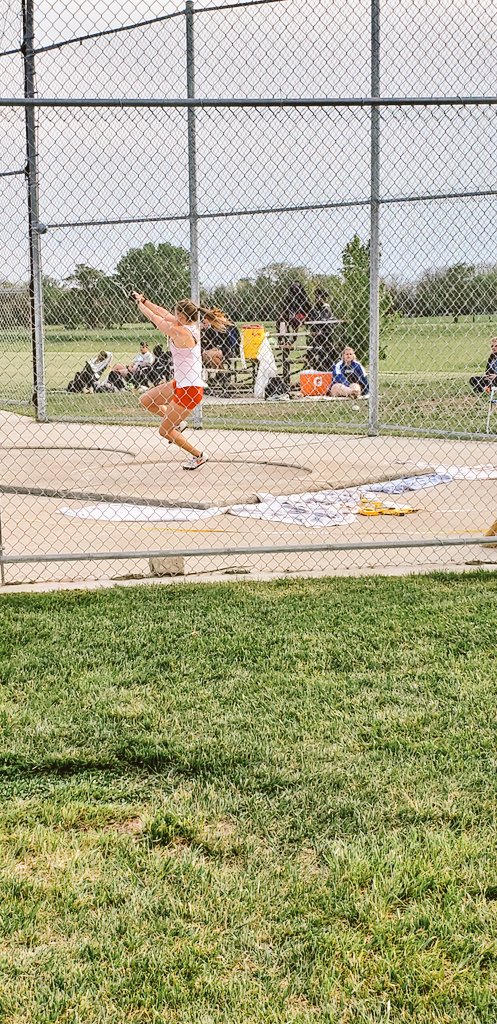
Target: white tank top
187 362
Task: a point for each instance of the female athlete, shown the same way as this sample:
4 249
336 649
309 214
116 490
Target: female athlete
174 401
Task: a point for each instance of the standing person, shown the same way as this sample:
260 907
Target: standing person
295 309
324 347
174 401
349 377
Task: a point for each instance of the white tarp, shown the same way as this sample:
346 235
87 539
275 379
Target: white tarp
313 509
111 512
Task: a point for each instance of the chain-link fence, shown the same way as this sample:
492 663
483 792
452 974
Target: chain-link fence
323 175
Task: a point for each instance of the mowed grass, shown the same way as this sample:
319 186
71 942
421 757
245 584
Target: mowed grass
424 381
242 804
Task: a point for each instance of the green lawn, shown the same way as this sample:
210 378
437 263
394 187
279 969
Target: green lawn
250 804
423 380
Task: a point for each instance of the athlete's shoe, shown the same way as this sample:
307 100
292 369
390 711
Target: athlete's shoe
195 461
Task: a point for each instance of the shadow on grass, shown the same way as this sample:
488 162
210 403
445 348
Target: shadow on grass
244 770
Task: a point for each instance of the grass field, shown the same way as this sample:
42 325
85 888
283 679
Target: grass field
423 380
250 804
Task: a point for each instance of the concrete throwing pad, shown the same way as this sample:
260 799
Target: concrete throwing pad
125 476
313 510
45 468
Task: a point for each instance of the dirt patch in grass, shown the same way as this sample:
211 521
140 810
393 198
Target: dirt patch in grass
130 826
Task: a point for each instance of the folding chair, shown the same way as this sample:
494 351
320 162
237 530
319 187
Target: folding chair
492 402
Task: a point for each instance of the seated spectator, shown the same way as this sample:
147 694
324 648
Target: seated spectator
136 372
349 378
162 368
212 353
100 362
489 378
87 379
219 347
324 347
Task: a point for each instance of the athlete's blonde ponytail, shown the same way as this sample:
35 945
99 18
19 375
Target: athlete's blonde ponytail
214 316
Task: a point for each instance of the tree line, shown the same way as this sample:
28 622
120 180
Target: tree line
89 298
92 299
460 290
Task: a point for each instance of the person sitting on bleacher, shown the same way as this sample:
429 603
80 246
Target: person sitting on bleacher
489 378
349 377
219 347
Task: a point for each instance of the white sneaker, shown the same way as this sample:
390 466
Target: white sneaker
195 461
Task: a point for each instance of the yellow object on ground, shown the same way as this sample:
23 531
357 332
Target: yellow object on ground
380 508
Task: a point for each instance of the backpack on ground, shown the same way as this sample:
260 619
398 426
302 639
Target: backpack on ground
274 388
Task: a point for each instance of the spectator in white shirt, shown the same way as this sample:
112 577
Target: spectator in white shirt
136 372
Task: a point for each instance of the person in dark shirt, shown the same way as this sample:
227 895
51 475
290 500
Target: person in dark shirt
218 347
295 309
162 368
489 378
325 344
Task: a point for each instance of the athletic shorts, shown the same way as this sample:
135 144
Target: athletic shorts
187 397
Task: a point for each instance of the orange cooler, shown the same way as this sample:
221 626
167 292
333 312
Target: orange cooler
252 337
313 383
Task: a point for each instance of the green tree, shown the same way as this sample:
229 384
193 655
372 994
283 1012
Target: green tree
355 273
161 272
460 298
52 294
14 305
93 299
452 291
260 298
403 297
485 291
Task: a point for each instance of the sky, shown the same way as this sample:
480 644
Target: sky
114 164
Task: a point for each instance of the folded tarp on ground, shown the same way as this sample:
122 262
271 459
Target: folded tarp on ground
314 509
123 513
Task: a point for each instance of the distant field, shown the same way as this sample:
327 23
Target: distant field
424 379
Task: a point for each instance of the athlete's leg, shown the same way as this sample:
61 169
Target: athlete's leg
175 415
157 399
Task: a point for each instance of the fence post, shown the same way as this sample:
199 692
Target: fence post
374 231
2 552
35 278
192 173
